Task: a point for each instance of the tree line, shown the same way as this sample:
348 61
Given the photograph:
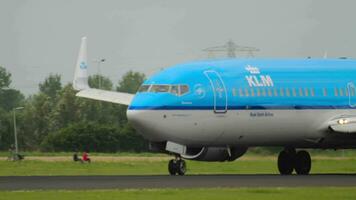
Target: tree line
54 119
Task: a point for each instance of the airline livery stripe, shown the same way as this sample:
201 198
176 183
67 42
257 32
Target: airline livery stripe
247 107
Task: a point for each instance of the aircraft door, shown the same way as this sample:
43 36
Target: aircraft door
352 91
219 91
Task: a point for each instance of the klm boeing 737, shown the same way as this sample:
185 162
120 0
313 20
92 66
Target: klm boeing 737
215 110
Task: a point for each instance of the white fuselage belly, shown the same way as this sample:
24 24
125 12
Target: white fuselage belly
236 127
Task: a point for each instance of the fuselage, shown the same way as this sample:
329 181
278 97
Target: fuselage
252 102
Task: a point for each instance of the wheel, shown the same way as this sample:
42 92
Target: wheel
286 162
302 163
172 167
181 167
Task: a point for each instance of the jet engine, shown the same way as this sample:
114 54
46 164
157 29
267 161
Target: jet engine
214 154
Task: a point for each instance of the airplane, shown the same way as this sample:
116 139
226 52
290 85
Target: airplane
215 110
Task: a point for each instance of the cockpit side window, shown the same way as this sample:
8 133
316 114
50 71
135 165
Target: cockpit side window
184 89
144 88
159 88
175 90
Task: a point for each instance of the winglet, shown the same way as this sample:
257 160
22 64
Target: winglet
80 81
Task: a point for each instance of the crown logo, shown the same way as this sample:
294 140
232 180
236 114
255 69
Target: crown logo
252 70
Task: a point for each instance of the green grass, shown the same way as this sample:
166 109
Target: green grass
259 166
258 151
118 154
252 165
324 193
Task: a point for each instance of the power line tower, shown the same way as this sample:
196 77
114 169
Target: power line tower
230 48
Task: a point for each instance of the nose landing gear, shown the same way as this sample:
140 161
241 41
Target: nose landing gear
177 166
289 160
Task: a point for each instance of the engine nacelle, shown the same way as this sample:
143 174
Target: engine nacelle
214 154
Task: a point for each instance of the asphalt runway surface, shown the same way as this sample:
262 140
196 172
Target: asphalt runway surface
161 181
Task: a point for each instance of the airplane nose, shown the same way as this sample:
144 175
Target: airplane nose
134 117
143 123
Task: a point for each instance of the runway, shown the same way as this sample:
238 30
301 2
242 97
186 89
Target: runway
160 181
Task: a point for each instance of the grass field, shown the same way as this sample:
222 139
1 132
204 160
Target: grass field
131 164
215 193
140 164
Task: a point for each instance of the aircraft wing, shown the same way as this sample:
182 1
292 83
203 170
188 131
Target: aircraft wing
80 82
343 124
108 96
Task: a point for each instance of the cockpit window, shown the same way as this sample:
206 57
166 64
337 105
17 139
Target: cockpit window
177 90
184 89
159 88
144 88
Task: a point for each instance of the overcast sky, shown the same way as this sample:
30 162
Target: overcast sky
39 37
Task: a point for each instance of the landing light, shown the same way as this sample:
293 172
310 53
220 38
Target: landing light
343 121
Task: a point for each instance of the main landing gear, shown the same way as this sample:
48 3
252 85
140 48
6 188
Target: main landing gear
177 166
290 159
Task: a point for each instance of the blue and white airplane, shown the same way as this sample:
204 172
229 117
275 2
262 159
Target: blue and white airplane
215 110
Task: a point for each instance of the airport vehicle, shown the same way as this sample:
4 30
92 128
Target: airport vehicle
215 110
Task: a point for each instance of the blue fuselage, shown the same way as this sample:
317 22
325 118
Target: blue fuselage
249 102
254 84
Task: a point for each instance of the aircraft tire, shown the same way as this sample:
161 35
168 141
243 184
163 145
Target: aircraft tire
286 162
181 167
172 167
302 163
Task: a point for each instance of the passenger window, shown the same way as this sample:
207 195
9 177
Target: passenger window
352 92
312 92
269 91
241 93
258 92
252 92
175 90
184 89
306 92
325 92
281 91
263 92
246 92
341 92
275 92
336 92
144 88
234 92
287 92
300 92
346 92
159 88
294 92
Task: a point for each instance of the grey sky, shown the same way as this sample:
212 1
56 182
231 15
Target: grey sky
39 37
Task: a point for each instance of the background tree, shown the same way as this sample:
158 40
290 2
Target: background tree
9 99
51 86
38 115
66 110
94 137
105 82
5 78
37 119
130 82
55 119
6 127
